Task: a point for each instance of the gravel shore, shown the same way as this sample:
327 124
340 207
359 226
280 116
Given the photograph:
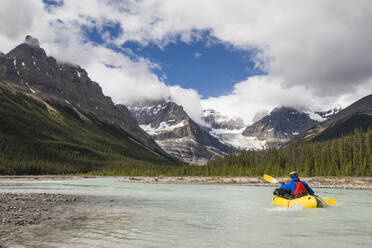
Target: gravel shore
20 211
316 182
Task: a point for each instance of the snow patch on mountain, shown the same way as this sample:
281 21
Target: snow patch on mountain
236 139
163 127
314 116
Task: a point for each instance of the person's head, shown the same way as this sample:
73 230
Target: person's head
293 174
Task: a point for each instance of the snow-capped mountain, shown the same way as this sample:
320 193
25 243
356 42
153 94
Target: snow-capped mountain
229 131
284 123
325 115
177 133
218 121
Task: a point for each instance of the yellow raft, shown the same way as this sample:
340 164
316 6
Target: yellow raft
308 201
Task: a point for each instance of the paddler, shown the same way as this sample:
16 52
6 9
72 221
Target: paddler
298 188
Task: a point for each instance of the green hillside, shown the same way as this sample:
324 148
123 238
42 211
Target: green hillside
41 138
346 127
355 116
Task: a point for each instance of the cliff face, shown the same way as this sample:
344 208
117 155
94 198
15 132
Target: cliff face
30 69
177 133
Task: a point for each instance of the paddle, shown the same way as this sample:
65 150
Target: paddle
270 179
327 200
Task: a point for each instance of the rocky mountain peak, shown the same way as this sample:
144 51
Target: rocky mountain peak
31 41
283 110
172 128
284 123
157 112
28 62
30 47
29 67
218 121
280 125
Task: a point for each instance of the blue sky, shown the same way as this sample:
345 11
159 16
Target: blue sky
205 64
211 69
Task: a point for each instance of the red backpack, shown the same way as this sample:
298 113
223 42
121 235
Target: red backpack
300 189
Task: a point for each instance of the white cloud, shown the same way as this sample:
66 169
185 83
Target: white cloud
197 55
263 93
189 99
316 53
258 94
17 17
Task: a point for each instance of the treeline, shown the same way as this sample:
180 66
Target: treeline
350 155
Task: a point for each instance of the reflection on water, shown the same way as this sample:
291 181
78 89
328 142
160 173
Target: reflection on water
146 215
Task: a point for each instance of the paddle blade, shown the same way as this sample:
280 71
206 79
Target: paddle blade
270 179
329 200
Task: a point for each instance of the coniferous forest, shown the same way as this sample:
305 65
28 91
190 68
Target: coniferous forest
350 155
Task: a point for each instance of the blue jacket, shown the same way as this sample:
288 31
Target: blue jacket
292 186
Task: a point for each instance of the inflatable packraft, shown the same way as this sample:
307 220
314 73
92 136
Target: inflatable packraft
308 201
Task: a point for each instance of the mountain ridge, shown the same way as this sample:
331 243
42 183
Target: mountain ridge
172 128
356 115
28 69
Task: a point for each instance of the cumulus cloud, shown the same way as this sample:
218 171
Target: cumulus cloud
259 115
323 45
315 53
261 94
189 99
19 17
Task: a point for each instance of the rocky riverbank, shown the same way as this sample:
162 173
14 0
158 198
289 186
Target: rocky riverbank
22 211
316 182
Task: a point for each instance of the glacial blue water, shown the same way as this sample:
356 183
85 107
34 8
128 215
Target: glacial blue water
163 215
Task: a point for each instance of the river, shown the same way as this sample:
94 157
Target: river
163 215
